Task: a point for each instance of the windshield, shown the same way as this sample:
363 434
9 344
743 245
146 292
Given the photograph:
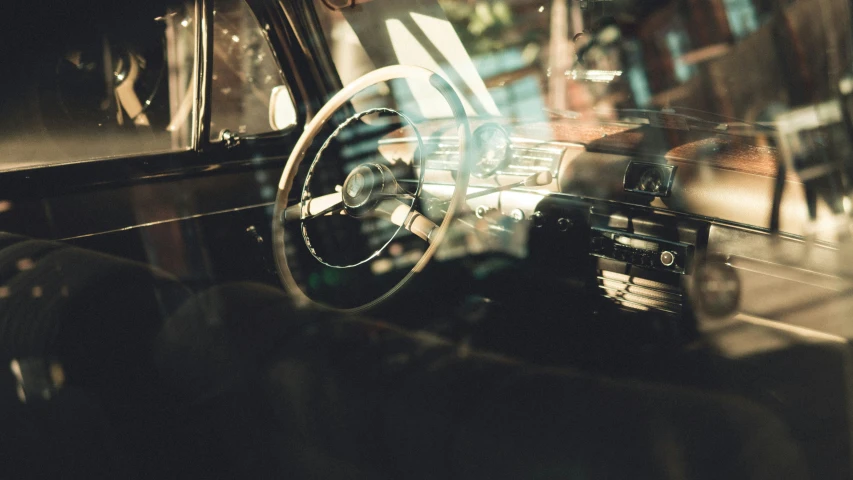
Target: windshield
718 62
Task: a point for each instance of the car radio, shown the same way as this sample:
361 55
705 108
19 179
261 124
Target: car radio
639 250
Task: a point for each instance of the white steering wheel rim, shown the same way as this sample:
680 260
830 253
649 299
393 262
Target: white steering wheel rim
299 152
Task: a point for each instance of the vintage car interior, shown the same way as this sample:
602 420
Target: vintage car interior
427 239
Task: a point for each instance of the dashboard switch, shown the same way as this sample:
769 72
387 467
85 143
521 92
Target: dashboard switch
667 258
481 211
538 219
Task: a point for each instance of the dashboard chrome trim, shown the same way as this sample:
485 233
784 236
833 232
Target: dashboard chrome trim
523 159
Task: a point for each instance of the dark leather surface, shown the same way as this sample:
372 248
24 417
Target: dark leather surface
235 383
98 316
355 398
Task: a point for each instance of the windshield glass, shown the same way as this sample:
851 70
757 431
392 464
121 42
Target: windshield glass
741 85
595 59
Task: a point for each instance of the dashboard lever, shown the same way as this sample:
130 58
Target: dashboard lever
536 180
312 208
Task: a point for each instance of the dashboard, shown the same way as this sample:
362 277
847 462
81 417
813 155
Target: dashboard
638 214
700 174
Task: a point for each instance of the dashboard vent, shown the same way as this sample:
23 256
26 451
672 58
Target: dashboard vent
638 293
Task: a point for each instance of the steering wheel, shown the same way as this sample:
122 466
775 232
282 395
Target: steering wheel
370 189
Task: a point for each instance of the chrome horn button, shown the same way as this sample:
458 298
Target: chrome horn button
366 186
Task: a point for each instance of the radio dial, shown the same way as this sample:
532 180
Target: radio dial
667 258
538 219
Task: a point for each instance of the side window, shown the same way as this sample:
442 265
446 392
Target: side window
247 79
106 82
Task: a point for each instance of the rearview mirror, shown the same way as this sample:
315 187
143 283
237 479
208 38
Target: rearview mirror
282 109
342 4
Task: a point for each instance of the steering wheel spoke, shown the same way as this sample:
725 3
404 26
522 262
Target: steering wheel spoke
314 207
403 215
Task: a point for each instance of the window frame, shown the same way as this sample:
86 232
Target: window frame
202 156
283 58
261 17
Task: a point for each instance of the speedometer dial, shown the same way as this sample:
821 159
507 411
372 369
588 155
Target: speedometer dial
493 149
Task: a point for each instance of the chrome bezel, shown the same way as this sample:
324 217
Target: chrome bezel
503 162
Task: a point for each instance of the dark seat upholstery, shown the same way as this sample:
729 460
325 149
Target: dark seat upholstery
354 398
236 384
98 316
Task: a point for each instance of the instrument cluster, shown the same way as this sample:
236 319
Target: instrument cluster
497 154
494 149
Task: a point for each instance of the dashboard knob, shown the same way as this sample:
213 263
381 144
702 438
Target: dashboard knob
667 258
481 211
564 224
538 219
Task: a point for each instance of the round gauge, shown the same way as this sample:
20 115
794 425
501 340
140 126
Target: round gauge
651 181
493 149
717 289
